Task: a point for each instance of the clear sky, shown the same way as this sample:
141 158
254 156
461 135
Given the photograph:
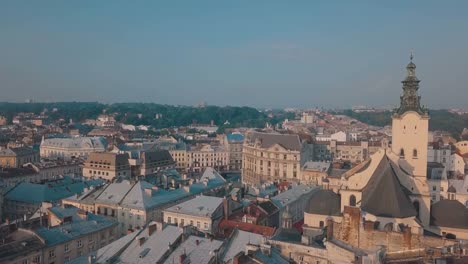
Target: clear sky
255 53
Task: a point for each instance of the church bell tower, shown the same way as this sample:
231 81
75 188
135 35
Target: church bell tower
410 126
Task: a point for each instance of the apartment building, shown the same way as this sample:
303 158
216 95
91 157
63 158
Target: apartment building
205 155
202 212
270 157
17 157
67 148
107 165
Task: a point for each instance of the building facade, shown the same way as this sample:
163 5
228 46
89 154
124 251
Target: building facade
17 157
234 142
205 155
270 157
67 148
107 166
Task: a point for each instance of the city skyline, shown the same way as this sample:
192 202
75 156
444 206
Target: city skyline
264 56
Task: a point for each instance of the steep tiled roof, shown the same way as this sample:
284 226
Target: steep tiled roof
324 202
266 140
449 213
227 226
384 196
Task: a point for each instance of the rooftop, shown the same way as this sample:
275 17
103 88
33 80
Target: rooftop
153 248
203 206
198 250
296 192
267 140
79 226
19 243
237 243
38 193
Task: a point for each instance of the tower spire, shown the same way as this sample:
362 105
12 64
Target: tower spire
410 100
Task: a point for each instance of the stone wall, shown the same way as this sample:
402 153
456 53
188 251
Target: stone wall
366 237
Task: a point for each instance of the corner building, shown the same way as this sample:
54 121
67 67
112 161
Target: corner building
268 157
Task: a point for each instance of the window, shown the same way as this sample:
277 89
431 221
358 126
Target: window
79 243
191 222
434 188
321 224
52 253
198 224
67 248
169 219
285 156
206 226
415 153
402 153
352 200
37 259
416 207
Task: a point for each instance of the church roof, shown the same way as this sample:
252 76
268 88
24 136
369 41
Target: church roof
324 202
449 213
384 196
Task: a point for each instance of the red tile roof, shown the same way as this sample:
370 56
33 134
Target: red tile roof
227 226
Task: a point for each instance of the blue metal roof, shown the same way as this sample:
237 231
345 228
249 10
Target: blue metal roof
235 137
79 226
37 193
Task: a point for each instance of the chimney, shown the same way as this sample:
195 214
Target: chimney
236 258
329 229
151 228
141 240
182 258
197 242
226 208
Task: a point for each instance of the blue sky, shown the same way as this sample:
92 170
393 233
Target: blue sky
255 53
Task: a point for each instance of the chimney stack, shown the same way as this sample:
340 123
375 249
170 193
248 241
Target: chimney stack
329 229
141 241
151 228
226 208
182 258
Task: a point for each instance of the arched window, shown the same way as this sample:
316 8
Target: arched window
416 207
415 153
352 200
321 224
402 153
388 227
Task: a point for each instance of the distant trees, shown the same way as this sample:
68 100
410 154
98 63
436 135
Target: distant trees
157 115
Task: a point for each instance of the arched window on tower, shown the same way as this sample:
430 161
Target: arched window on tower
415 153
402 153
352 200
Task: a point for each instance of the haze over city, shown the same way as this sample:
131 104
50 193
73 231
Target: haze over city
260 54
